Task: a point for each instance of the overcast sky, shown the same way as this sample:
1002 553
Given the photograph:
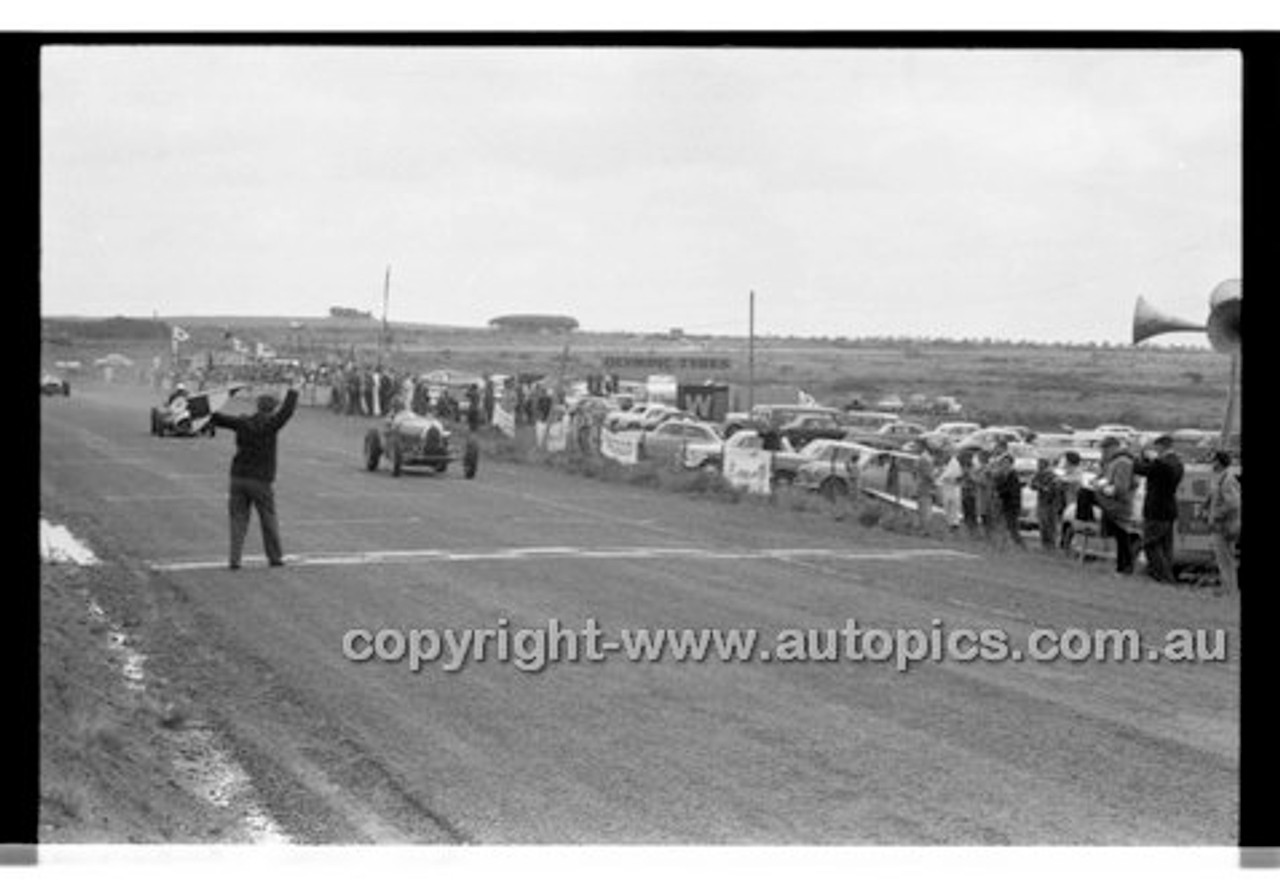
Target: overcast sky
1010 194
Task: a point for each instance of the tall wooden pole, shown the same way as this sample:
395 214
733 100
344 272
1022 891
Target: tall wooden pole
386 296
751 352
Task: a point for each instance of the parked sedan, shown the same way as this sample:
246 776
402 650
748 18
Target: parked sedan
694 443
989 437
893 435
787 462
804 429
888 473
835 470
955 431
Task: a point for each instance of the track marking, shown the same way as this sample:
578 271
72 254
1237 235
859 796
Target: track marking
165 497
420 556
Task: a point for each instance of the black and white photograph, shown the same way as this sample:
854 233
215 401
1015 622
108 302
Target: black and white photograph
734 443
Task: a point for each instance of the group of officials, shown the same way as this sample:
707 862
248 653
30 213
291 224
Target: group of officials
983 490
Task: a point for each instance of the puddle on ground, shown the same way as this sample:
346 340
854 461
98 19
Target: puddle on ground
58 546
202 763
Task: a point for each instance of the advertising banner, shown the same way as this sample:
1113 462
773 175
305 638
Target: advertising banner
748 469
709 402
503 420
622 447
557 437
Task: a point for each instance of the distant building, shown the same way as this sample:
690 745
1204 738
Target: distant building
534 324
349 313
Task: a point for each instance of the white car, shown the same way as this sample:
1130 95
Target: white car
955 431
989 437
696 442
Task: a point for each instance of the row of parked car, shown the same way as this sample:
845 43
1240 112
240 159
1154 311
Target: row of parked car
832 451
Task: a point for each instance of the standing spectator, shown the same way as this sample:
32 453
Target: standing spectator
926 490
1114 490
1048 503
1008 491
969 491
353 391
473 408
1223 508
983 493
366 392
950 485
386 391
1163 470
253 473
489 400
1070 485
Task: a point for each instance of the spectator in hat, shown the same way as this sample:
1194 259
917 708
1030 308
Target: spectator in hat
1114 492
1163 469
1223 508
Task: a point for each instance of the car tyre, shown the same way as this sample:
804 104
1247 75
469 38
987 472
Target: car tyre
397 459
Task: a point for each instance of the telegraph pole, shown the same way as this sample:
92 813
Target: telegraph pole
751 352
386 296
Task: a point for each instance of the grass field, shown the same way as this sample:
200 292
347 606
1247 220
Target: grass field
1037 385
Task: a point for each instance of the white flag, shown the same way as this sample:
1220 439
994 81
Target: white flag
180 335
807 399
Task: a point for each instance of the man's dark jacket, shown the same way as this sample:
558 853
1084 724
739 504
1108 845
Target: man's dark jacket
256 439
1163 473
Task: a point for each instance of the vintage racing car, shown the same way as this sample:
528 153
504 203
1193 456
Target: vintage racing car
408 439
52 385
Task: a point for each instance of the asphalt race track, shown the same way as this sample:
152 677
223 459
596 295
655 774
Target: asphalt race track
615 751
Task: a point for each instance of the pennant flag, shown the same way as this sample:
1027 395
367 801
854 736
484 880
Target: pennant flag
198 405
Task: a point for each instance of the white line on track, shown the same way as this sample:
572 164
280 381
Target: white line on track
166 497
361 558
343 521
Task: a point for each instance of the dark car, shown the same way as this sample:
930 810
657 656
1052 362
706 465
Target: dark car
804 429
409 439
52 385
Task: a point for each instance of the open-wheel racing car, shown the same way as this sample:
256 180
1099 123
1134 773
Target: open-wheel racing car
408 439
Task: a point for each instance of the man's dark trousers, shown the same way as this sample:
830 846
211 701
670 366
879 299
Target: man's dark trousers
1157 543
1124 546
245 495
